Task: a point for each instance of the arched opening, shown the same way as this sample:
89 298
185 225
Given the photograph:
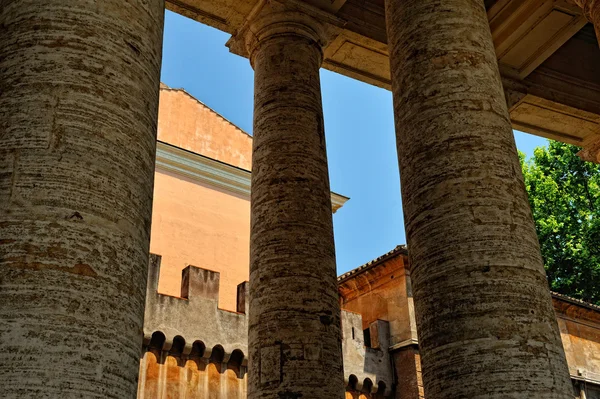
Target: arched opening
352 382
367 385
235 361
217 355
157 341
178 345
380 389
198 349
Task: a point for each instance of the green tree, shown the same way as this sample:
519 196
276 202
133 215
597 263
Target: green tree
564 193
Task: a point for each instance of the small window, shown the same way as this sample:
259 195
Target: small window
352 332
367 336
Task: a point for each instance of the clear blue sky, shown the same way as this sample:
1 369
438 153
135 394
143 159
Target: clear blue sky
359 129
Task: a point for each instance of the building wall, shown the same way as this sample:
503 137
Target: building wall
167 376
200 225
195 223
579 326
374 294
187 123
383 293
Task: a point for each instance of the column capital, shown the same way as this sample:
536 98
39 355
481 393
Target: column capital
591 10
278 18
590 152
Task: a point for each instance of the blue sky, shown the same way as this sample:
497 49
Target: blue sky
359 129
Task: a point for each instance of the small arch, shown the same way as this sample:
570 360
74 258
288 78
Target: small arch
352 382
235 360
178 345
198 349
367 385
217 355
157 341
380 389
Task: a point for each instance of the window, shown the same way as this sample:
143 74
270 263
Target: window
367 336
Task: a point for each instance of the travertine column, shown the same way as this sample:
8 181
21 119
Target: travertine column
294 331
79 84
591 9
485 320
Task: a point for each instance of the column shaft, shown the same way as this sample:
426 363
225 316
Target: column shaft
294 331
485 320
79 83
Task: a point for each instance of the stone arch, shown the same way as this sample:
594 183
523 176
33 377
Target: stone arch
235 361
217 355
367 386
198 348
352 382
157 341
178 346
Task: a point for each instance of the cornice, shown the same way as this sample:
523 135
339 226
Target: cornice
215 173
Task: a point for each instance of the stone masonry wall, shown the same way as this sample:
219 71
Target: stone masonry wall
193 349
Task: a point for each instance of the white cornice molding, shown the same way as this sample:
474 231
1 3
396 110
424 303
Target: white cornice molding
209 171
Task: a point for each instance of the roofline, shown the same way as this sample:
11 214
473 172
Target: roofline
165 87
217 173
575 301
399 249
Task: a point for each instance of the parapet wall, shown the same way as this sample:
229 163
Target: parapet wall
367 369
196 350
194 317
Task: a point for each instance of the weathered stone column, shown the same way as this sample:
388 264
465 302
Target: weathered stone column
79 83
294 331
485 320
591 9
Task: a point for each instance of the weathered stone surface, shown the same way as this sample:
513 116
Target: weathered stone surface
591 9
485 321
79 84
195 315
294 327
364 363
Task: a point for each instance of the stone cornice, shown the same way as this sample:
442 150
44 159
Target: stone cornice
215 173
408 342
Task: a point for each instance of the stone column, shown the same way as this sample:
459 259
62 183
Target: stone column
294 329
591 9
79 83
485 320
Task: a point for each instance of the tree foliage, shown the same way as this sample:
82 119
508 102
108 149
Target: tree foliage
564 193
